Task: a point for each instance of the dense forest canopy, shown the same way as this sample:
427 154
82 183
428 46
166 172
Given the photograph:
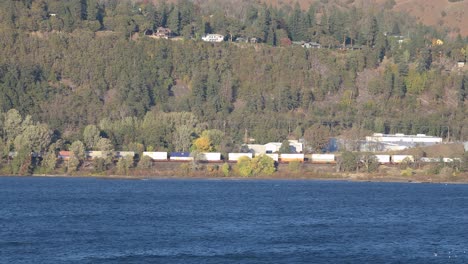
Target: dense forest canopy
70 64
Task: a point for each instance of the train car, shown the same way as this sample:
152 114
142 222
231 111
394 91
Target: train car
94 154
123 154
235 156
383 159
401 158
180 156
429 160
449 160
210 157
156 156
323 158
291 157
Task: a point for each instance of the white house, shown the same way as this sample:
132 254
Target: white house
213 38
294 145
386 142
399 138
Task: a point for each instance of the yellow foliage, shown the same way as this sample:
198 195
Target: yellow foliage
203 144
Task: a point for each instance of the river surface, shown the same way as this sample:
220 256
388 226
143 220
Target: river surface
82 220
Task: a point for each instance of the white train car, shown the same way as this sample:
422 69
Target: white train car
402 158
291 157
180 156
210 156
94 154
323 158
123 154
235 156
429 160
383 159
157 156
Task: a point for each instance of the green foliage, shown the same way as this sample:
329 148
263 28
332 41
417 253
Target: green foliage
34 138
262 165
294 166
49 161
100 164
77 156
285 148
145 163
243 167
123 165
408 172
349 161
226 169
91 136
369 162
21 163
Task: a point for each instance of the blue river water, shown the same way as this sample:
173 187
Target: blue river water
82 220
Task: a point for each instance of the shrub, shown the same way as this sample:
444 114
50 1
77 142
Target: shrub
294 166
243 167
124 164
145 163
262 165
408 172
226 169
349 161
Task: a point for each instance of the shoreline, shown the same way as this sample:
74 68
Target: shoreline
266 178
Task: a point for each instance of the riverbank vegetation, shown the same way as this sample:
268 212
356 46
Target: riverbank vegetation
81 75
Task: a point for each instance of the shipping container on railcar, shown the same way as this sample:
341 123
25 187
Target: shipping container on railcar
124 154
401 158
234 157
180 156
383 159
94 154
210 156
291 157
323 158
156 155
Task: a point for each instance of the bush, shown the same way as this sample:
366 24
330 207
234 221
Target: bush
100 165
294 166
349 161
185 169
243 167
226 169
145 163
262 165
408 172
124 164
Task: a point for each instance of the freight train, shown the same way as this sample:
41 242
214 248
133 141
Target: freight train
216 157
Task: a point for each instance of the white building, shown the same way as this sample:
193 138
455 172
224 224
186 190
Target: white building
386 142
274 147
213 38
400 138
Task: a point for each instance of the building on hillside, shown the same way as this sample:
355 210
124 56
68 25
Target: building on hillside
466 146
311 45
64 155
461 64
273 147
164 33
256 149
389 142
213 38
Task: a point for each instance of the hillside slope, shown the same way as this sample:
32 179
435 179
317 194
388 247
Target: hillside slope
439 13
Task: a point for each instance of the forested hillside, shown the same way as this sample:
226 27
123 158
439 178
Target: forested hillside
75 63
